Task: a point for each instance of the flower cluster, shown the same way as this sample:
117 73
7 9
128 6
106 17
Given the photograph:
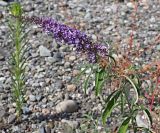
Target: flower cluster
68 35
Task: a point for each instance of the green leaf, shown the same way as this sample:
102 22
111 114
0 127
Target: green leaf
149 115
134 87
110 106
99 80
124 126
16 9
109 97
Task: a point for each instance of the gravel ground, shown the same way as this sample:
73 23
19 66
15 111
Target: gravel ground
54 103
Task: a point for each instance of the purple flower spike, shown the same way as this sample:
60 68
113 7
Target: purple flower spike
70 36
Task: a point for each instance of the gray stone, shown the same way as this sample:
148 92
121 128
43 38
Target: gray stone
44 51
58 84
34 126
44 100
87 16
67 106
2 58
32 98
67 78
35 84
3 3
26 110
67 64
52 59
2 113
72 124
1 87
2 79
42 130
58 55
38 97
4 96
158 47
11 118
16 129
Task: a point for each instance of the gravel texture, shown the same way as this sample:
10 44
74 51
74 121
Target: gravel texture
54 104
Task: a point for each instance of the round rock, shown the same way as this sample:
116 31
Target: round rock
67 106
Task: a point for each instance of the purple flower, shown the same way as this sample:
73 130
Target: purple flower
71 36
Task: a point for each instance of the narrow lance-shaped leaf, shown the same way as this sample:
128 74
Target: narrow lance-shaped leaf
109 97
147 113
134 87
123 128
110 106
99 80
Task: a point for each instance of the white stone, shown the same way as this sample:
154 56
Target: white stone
130 5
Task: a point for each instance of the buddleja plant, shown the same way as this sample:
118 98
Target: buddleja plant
104 67
18 58
126 94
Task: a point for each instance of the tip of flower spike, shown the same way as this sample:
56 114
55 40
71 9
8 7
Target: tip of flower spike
68 35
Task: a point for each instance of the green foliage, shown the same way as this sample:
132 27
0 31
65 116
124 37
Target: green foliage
123 128
111 102
99 80
134 87
18 58
16 9
91 124
120 97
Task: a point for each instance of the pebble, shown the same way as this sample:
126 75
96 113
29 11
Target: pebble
72 124
2 58
2 79
67 64
32 98
3 3
42 130
72 58
52 59
58 85
158 47
2 113
45 111
44 51
38 97
12 110
67 106
71 87
26 110
130 5
11 118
